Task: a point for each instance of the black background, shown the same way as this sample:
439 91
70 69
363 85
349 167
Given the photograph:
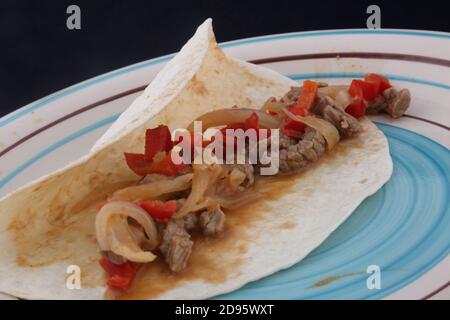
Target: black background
39 55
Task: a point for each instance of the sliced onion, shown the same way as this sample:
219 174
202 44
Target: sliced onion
328 131
236 201
235 178
223 117
272 105
205 176
332 91
155 189
114 233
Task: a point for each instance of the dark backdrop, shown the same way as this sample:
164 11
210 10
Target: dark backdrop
39 55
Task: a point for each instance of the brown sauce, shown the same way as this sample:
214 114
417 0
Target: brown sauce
331 279
213 259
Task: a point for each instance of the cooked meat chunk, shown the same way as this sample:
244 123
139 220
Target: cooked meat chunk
376 105
176 245
393 102
295 155
397 101
346 124
212 222
189 221
292 95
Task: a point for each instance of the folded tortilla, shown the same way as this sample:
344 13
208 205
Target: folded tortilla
48 225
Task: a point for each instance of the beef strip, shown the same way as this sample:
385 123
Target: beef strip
325 108
176 244
397 101
393 102
212 222
153 177
346 124
292 95
295 155
376 105
189 221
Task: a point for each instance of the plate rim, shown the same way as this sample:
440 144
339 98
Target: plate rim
160 59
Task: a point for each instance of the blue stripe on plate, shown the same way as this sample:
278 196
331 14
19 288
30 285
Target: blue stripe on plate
299 76
339 75
57 145
9 118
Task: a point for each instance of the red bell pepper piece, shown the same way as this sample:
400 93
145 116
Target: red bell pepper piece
119 282
368 90
159 210
121 275
157 140
304 103
167 167
308 95
290 125
358 107
136 162
383 82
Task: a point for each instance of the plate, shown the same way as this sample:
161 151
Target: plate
404 229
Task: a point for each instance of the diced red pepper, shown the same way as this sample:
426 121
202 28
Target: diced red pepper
159 210
121 275
136 162
119 282
308 95
291 125
368 90
383 82
157 140
304 102
357 108
167 167
355 89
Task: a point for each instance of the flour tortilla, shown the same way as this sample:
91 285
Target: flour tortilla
40 221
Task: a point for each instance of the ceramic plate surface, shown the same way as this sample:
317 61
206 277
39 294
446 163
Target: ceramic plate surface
404 228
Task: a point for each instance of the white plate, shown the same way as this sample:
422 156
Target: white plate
49 133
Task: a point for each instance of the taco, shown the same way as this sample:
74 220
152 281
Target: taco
138 224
